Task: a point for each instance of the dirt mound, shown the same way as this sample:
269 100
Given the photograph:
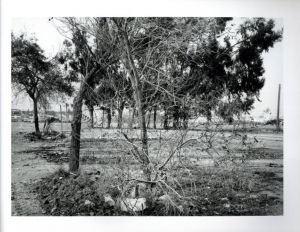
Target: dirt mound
53 135
65 194
32 136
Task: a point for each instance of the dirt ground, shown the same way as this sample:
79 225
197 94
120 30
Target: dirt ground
101 149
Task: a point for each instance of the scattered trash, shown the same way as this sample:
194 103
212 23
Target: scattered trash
109 201
133 205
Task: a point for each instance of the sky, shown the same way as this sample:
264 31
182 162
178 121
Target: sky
50 40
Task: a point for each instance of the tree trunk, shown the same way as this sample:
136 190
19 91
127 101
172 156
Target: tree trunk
108 111
103 118
185 119
175 117
36 118
132 118
138 96
91 112
149 119
166 119
154 117
120 114
76 124
75 135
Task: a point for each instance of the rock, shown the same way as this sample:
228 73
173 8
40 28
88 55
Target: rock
53 209
253 196
240 195
226 206
224 199
135 204
108 200
88 202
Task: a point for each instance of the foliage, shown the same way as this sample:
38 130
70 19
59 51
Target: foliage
33 73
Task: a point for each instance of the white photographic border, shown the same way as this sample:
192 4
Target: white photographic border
288 10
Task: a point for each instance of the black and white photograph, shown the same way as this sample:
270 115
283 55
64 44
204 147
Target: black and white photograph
150 115
159 116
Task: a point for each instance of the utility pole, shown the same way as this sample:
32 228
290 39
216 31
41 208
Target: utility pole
278 109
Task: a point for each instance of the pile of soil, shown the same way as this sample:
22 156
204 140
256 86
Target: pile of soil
65 194
32 136
53 135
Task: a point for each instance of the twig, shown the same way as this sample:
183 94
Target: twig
173 153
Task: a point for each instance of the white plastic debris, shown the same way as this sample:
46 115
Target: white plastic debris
164 198
135 204
108 200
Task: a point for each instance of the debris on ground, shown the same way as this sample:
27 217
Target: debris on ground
53 135
133 204
109 201
32 136
54 156
64 194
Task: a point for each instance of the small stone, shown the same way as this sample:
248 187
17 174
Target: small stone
240 195
253 196
224 199
226 206
88 202
60 178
